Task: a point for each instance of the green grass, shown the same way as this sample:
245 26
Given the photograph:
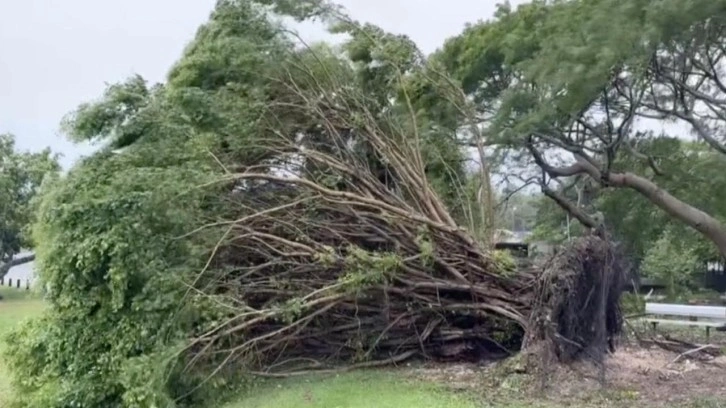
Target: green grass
373 389
15 306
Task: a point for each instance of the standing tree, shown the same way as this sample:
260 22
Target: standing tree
580 85
21 175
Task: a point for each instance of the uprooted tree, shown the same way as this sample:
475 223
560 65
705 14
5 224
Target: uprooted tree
351 268
274 210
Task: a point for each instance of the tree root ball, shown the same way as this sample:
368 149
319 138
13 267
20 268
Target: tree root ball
576 311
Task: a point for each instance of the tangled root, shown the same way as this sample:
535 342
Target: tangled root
576 313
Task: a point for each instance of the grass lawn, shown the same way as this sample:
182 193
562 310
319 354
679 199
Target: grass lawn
372 389
401 388
15 306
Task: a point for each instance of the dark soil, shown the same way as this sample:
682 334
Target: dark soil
634 376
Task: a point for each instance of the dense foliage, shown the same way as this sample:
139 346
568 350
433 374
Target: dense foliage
117 260
113 265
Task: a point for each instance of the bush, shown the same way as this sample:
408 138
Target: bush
115 271
632 304
112 251
672 262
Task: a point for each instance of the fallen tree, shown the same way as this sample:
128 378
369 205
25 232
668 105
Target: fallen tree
330 243
342 268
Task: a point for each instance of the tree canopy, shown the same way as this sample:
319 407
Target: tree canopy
577 85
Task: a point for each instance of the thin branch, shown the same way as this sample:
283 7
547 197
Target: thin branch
570 208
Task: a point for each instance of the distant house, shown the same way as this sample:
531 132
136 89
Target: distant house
520 243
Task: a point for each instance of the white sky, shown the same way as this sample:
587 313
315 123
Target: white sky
56 54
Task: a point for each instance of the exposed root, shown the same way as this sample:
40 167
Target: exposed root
576 314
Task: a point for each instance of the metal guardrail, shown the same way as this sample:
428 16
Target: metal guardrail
713 316
706 312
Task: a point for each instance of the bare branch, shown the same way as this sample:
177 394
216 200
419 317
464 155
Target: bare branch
5 268
569 207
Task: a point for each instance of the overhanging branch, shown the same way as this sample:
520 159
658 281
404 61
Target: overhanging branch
571 208
5 268
552 171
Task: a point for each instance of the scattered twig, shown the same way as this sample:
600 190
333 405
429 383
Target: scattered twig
691 352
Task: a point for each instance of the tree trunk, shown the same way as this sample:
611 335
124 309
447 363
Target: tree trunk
707 225
5 268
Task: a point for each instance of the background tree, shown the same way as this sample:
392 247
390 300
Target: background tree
21 175
574 91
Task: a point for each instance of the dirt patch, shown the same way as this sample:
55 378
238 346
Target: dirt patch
633 376
648 375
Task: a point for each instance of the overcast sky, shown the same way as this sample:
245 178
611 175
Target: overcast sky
56 54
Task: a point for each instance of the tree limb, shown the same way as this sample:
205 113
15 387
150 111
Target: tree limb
702 131
571 208
5 268
649 159
702 222
552 171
